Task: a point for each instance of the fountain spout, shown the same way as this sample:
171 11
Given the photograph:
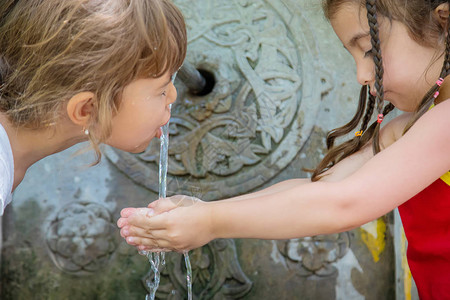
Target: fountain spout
192 78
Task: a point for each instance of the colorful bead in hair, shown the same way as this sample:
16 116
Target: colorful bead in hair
359 133
440 81
436 94
380 118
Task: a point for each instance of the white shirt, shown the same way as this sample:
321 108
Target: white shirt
6 170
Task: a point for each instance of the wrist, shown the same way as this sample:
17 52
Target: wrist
210 220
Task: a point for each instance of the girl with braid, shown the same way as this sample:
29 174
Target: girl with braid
402 53
83 70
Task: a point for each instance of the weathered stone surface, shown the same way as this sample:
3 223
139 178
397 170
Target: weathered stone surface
282 79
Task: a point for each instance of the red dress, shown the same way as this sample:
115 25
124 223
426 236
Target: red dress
426 221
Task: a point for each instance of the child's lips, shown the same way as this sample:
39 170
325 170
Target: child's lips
159 133
166 122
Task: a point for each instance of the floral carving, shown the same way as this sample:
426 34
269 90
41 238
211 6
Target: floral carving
315 255
80 238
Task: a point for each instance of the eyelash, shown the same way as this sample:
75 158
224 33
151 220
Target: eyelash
164 94
368 53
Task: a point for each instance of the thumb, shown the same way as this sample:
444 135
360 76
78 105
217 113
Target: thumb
162 205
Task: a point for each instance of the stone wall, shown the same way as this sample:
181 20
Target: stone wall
280 80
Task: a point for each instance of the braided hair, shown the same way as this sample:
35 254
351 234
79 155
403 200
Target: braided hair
429 97
369 102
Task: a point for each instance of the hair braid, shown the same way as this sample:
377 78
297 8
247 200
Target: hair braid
432 93
371 6
369 112
347 128
338 153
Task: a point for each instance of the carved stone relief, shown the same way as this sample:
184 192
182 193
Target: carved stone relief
216 274
260 112
80 238
315 255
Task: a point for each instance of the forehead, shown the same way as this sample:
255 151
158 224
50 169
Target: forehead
350 22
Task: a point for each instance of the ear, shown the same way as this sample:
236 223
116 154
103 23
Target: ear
441 13
80 108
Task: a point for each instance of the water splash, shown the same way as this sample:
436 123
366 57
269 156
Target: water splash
188 274
158 259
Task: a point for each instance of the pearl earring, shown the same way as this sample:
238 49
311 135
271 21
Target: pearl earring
86 131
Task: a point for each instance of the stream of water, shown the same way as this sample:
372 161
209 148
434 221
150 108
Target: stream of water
157 259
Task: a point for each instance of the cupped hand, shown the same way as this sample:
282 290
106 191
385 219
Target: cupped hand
160 226
155 208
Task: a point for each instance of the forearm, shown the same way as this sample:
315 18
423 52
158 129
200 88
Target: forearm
306 210
276 188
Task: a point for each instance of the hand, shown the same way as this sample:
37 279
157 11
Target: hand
160 227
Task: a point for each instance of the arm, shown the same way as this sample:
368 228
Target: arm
384 182
359 189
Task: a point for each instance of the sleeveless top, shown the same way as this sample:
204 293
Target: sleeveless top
426 221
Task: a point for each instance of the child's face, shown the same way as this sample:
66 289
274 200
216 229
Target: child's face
143 110
408 71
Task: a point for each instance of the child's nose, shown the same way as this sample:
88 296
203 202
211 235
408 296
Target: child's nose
365 73
172 95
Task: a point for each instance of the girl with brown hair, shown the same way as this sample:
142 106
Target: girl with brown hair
402 53
83 70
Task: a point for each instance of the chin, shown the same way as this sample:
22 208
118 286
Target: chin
140 149
404 108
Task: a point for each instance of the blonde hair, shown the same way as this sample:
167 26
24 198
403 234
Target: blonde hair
52 50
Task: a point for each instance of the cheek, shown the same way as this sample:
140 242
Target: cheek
396 72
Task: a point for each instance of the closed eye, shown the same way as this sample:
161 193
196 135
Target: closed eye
368 53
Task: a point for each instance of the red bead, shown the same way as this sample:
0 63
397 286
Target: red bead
380 118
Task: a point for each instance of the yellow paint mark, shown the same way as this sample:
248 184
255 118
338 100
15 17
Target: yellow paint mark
373 235
407 277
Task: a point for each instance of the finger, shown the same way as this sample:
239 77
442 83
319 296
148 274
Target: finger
126 212
122 222
135 231
146 221
162 205
144 211
142 241
123 233
152 243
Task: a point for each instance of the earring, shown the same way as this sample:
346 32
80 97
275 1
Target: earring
86 131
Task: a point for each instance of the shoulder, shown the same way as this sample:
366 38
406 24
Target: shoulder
435 122
435 118
393 130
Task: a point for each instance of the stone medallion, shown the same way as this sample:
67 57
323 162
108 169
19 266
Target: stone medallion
81 238
315 255
266 86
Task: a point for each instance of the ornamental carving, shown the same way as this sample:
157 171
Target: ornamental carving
315 255
216 274
81 238
262 107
